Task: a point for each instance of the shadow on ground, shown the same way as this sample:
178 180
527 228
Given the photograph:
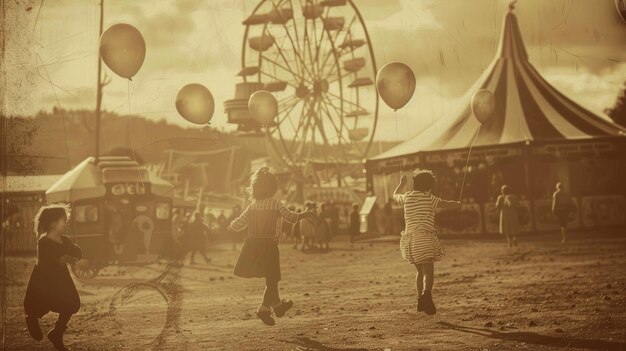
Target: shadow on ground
538 339
306 344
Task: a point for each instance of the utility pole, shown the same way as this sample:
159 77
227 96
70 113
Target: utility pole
99 87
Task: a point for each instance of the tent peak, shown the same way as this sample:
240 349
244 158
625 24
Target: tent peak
512 5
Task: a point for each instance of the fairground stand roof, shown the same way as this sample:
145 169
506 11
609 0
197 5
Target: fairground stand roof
528 109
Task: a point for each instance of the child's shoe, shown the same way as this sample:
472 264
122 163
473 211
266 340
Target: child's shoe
265 315
33 328
429 305
55 335
282 307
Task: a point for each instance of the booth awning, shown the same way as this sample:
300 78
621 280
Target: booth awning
90 178
528 108
81 182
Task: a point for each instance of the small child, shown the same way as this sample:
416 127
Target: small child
50 287
259 256
419 244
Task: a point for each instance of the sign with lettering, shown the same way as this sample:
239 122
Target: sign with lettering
128 188
594 148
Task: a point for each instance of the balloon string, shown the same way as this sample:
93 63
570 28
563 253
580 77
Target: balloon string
395 116
467 162
130 131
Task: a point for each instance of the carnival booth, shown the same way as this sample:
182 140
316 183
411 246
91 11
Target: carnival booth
536 138
120 211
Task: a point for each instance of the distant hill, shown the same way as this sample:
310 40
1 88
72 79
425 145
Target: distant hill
52 142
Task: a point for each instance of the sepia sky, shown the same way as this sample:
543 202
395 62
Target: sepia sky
51 52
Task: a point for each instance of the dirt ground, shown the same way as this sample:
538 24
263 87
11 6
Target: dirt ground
539 296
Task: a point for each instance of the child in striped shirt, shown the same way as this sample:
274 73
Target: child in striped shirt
259 256
419 244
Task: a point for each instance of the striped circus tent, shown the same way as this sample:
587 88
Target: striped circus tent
536 138
528 108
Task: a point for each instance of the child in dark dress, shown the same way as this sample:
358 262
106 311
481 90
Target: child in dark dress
259 257
50 287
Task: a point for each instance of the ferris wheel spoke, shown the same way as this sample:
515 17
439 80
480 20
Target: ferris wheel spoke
341 128
339 52
287 100
337 78
300 124
286 113
320 125
307 44
344 100
296 49
282 141
318 47
282 55
304 122
341 136
276 78
295 29
338 130
288 70
317 42
330 117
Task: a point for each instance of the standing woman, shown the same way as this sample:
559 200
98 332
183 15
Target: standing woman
509 222
50 287
562 207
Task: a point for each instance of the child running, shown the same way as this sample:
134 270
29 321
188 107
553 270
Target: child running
50 287
259 256
419 244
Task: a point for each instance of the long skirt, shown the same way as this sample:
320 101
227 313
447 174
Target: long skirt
419 247
50 290
259 258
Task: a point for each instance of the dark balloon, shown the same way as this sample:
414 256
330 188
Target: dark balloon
195 103
123 49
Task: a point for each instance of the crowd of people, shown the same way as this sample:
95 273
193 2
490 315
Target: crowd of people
191 231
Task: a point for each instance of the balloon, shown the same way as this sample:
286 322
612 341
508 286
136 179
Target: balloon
483 105
263 107
395 83
195 103
123 49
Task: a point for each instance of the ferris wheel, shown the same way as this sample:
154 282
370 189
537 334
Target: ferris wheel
316 58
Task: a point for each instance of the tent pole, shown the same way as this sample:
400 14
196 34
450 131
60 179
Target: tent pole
99 86
526 149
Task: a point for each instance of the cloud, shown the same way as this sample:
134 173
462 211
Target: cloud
580 46
374 10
